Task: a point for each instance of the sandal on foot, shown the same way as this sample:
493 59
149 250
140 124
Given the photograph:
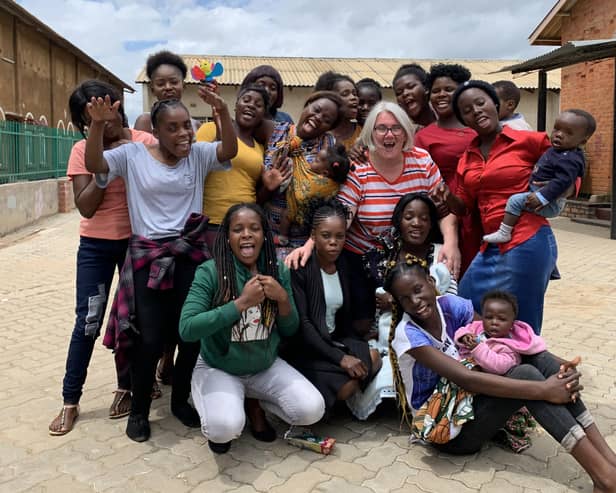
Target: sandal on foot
156 392
120 406
64 422
164 370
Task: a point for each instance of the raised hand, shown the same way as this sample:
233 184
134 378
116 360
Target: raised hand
209 94
101 110
280 171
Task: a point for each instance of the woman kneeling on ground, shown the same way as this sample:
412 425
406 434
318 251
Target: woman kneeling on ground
423 351
327 350
239 306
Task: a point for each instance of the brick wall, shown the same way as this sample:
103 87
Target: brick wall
590 86
66 201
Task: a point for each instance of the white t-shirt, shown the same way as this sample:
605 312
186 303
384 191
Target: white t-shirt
333 298
160 197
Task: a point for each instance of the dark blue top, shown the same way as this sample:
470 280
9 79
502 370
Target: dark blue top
560 169
281 116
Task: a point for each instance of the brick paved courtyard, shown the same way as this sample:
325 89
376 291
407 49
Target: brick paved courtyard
36 318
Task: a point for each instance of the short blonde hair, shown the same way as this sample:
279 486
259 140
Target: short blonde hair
398 113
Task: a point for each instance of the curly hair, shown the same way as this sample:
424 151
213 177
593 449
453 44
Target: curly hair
473 84
508 90
591 123
456 72
328 80
497 294
82 95
411 69
372 84
164 58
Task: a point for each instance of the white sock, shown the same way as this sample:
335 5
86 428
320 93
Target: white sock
503 235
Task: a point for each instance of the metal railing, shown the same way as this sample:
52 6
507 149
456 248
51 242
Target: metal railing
33 152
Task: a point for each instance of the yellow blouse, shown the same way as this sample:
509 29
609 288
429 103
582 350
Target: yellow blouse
222 189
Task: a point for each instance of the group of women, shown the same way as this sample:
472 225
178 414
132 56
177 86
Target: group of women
193 227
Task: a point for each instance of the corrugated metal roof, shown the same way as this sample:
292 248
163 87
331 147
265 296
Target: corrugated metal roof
303 72
569 54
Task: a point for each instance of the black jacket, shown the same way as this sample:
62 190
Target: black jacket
313 336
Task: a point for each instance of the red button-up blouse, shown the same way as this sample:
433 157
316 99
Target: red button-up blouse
489 183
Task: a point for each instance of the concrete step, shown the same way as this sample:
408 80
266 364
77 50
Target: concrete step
594 222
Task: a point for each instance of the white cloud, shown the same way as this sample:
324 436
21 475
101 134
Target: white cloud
343 28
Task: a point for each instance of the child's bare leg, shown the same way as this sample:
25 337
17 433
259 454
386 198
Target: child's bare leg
503 234
600 470
597 439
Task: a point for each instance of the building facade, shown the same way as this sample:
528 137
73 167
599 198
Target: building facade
588 85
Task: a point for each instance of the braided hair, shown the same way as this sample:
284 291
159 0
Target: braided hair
225 265
319 209
412 264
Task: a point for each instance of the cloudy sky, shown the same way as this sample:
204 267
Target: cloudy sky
120 34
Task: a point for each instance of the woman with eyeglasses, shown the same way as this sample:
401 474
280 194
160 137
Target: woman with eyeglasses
394 168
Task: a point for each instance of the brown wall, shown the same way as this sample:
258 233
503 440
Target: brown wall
37 75
590 86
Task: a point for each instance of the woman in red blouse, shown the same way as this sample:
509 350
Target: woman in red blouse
497 164
446 140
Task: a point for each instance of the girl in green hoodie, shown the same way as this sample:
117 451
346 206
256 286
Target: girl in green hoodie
239 306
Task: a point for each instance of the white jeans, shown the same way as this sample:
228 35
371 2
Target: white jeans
282 390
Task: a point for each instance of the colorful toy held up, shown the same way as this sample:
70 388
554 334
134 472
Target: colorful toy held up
205 71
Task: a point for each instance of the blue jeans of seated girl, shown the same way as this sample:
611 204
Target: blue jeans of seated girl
97 261
566 423
523 271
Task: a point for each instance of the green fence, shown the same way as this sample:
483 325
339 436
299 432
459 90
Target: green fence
31 152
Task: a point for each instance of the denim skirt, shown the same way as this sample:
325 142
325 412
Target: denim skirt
523 271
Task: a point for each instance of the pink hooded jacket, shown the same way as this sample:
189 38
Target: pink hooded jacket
499 354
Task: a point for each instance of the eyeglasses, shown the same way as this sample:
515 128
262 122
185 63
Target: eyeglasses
382 130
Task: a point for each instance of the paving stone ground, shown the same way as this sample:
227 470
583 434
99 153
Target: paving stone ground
36 318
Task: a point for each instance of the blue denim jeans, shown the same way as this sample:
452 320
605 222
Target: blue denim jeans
516 204
523 271
97 261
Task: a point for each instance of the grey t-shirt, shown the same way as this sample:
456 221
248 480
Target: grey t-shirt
160 197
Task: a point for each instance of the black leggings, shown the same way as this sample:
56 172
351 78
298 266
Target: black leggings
158 315
491 413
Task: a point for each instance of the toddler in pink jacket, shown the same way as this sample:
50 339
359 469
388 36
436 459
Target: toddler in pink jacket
497 341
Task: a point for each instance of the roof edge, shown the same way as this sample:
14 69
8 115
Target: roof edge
535 38
13 8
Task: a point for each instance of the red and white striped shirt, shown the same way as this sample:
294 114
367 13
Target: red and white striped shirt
375 198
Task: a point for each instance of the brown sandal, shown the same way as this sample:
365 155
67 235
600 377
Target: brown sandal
120 406
64 422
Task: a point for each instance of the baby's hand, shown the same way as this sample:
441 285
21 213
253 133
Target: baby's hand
532 202
468 341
